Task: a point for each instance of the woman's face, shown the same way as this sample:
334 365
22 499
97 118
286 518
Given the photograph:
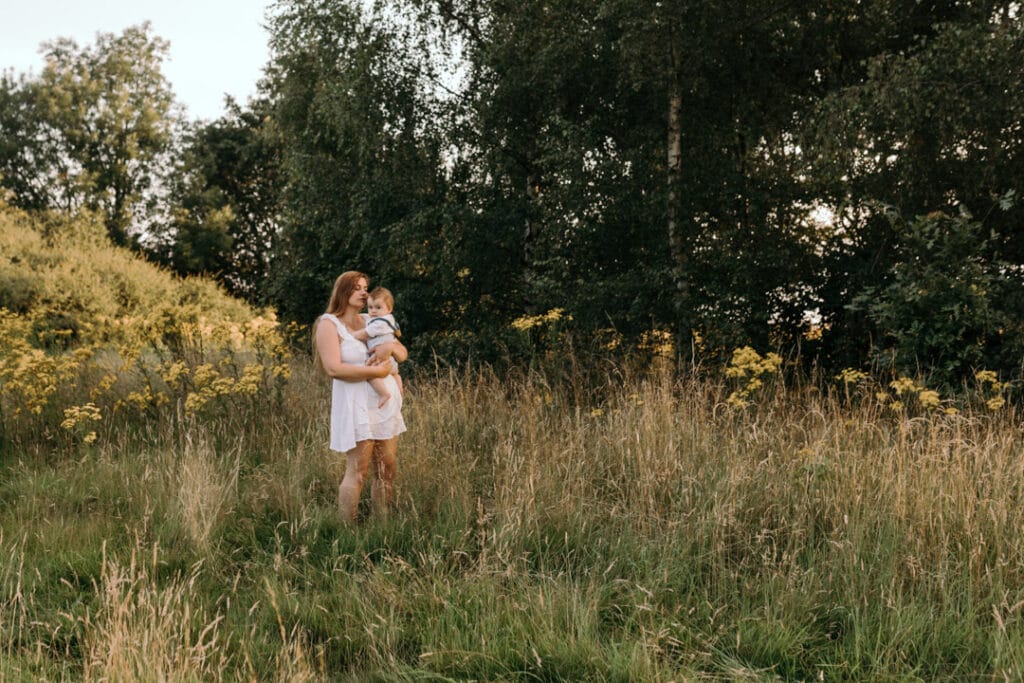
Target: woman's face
358 297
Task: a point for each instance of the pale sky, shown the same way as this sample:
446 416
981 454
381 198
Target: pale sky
217 46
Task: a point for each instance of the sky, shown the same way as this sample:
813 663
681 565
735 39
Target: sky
216 46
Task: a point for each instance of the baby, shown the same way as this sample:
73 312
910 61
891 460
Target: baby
381 327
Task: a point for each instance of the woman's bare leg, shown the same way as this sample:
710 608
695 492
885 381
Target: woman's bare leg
382 488
357 462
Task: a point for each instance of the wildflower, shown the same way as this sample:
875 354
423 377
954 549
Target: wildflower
173 373
736 400
988 377
813 333
658 342
995 403
985 376
526 322
903 385
929 399
76 415
851 376
596 412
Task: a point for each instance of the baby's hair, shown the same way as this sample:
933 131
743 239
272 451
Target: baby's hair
383 295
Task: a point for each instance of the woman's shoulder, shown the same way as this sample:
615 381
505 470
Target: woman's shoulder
333 319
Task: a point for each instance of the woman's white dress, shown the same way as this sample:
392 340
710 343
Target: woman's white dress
354 412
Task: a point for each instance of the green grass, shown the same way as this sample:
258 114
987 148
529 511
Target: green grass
652 534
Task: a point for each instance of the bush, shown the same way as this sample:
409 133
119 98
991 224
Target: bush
949 305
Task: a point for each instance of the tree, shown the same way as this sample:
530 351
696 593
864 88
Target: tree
646 151
358 154
933 126
947 306
30 161
91 130
225 194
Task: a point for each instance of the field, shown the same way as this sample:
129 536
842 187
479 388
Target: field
637 528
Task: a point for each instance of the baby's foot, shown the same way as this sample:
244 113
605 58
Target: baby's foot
384 398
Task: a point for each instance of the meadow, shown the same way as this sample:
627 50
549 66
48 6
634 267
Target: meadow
643 529
167 506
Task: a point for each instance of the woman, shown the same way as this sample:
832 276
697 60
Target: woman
365 432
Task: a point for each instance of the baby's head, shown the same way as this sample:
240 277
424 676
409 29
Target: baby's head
380 301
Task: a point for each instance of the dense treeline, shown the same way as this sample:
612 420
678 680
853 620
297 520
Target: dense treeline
836 178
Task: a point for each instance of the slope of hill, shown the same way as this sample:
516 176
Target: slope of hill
64 275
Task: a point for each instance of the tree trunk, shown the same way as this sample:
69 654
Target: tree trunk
529 247
676 235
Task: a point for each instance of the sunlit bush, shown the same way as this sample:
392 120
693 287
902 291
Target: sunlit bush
109 334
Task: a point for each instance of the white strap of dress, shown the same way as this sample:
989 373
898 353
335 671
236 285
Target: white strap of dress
342 330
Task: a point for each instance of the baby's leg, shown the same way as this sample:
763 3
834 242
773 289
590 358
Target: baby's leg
381 387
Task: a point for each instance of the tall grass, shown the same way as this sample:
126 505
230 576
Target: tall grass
636 529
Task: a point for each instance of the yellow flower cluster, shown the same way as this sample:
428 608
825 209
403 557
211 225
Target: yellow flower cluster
30 377
527 322
749 366
906 389
658 343
76 416
850 376
134 363
210 383
991 389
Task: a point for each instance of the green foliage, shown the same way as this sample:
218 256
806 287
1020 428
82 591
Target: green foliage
92 128
224 202
713 169
948 306
929 127
68 268
353 111
90 334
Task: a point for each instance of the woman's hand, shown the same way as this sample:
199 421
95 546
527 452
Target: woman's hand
378 370
388 350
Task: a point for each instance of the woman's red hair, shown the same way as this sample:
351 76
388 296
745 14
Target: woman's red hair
342 292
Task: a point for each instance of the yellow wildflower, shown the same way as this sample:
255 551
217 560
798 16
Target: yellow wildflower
736 400
851 376
986 377
903 385
527 322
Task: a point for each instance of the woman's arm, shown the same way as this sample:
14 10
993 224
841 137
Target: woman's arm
392 349
328 347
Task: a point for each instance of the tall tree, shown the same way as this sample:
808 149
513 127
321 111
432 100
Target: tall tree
360 162
933 125
31 166
91 130
225 193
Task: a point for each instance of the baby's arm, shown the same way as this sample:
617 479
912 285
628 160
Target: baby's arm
362 335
